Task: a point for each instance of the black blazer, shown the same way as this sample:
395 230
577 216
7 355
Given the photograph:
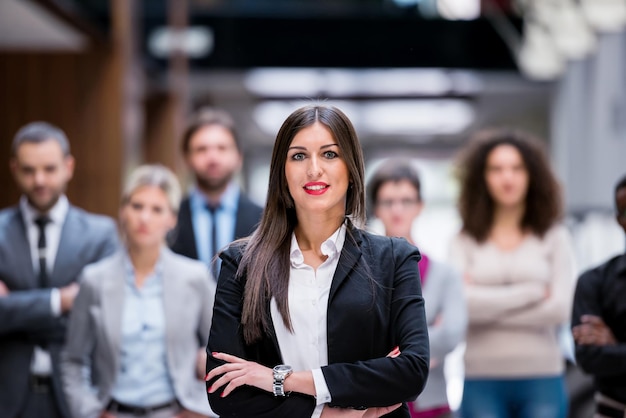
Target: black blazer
183 238
375 304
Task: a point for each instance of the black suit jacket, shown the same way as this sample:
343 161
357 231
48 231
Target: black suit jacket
183 238
26 318
375 304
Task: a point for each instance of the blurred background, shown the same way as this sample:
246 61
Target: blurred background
415 76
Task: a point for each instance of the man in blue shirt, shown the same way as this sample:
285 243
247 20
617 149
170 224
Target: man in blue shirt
216 212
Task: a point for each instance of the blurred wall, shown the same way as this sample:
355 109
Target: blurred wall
95 96
589 126
80 94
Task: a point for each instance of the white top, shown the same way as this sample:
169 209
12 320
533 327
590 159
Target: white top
516 301
307 347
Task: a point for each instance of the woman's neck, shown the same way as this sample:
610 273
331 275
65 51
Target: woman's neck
312 232
507 232
143 261
508 217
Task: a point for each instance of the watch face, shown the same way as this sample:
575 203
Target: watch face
282 368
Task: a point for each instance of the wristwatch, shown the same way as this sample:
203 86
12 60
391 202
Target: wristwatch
281 372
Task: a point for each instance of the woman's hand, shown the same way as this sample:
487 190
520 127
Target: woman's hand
329 412
238 372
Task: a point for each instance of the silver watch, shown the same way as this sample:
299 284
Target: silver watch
281 372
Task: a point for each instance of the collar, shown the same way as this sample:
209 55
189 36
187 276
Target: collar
331 247
57 213
130 269
228 201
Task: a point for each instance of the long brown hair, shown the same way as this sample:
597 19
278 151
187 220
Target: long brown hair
265 259
543 205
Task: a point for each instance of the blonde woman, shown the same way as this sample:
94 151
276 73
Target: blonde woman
141 317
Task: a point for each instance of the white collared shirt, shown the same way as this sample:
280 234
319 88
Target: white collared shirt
41 363
307 347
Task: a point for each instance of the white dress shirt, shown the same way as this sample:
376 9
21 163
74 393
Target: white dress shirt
41 363
307 347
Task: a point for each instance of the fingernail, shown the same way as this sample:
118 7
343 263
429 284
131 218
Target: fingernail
210 389
214 353
206 378
222 395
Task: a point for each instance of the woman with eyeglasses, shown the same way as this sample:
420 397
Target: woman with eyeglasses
395 194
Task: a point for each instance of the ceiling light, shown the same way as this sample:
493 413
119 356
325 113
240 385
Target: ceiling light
407 82
605 15
416 117
382 117
194 41
538 57
283 82
571 33
459 9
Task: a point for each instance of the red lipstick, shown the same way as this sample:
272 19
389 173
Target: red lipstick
316 188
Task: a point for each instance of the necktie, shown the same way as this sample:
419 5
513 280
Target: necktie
213 210
41 223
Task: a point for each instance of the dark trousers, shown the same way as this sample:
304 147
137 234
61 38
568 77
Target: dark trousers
40 402
580 390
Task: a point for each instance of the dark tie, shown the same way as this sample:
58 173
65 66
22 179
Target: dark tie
213 208
41 223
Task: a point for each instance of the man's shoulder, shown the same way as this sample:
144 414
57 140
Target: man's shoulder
612 268
90 218
182 262
7 215
246 202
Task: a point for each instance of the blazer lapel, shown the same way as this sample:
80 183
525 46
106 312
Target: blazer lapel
184 235
113 304
172 301
350 255
17 234
71 241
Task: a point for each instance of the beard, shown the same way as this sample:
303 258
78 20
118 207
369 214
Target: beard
212 185
41 205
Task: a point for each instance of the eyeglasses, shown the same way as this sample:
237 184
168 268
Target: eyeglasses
390 203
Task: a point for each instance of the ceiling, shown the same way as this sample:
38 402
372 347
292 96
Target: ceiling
26 25
409 79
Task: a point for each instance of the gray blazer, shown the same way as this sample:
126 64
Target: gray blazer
446 314
26 317
91 358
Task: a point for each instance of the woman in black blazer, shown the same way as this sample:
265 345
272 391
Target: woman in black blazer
314 317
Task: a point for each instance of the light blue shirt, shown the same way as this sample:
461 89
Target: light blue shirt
201 220
143 378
